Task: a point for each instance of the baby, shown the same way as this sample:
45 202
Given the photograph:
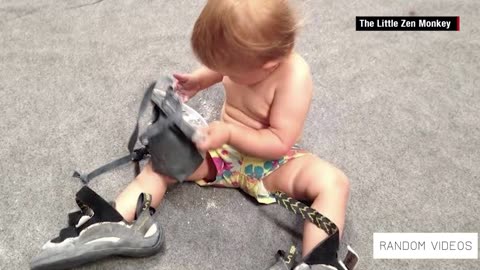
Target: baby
248 46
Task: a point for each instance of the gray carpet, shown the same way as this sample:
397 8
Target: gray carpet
397 111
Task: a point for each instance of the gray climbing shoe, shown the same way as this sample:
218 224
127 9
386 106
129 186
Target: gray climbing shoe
98 231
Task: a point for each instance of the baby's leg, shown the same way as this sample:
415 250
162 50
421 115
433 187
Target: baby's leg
149 181
310 178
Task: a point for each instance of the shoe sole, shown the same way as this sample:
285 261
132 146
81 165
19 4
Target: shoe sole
55 263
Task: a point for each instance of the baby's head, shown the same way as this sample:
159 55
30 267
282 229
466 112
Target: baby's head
244 39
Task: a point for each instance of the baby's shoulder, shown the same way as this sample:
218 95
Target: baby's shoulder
295 71
299 63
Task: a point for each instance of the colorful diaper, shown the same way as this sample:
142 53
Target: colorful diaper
240 171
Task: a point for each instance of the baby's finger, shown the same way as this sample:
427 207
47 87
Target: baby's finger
184 98
199 136
203 144
175 85
181 77
182 95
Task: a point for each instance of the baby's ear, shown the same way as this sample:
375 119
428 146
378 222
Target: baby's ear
270 64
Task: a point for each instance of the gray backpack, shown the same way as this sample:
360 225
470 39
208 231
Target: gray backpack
167 140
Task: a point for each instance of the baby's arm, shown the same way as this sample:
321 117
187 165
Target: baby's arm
287 116
189 85
207 77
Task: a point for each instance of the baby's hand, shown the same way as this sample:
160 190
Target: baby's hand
212 137
186 85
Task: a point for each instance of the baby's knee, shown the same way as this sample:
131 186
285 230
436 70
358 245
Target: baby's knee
341 182
335 181
325 179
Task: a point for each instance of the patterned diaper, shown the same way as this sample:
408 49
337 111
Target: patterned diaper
236 170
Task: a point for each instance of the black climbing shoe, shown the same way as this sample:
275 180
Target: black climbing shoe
322 257
98 231
326 253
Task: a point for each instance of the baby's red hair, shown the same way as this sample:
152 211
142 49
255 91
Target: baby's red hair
243 33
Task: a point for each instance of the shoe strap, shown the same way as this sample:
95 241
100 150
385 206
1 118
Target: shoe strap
103 211
306 212
144 202
290 257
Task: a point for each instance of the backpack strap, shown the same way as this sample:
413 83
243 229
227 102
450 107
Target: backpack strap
135 155
143 106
